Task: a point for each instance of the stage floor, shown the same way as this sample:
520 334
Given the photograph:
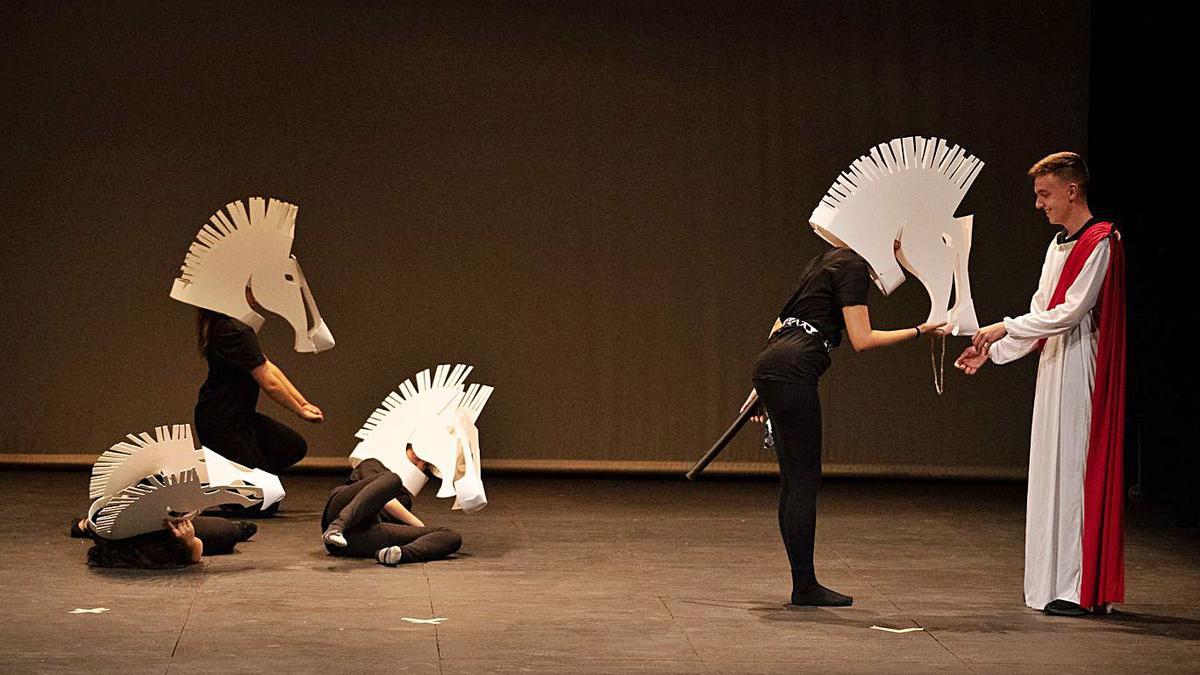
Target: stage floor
592 575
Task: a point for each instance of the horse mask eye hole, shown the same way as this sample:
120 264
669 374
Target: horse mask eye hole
289 277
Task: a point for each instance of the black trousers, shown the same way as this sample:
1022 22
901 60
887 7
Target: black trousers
795 412
159 549
358 508
219 535
260 443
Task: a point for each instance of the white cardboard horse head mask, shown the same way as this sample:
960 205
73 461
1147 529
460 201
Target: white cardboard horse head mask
217 470
437 418
170 451
907 191
251 248
136 484
143 506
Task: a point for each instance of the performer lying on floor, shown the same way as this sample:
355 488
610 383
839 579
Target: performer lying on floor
831 295
371 515
182 542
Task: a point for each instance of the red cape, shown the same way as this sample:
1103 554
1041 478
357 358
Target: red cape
1104 478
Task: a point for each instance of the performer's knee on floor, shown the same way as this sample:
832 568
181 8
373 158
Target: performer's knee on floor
453 539
301 449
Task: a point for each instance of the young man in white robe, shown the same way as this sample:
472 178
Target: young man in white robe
1074 554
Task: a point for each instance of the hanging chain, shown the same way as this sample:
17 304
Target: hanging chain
938 365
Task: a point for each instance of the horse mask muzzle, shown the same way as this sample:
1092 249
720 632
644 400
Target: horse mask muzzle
318 337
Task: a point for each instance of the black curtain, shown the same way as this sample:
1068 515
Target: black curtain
1138 180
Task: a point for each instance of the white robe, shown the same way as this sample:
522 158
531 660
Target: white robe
1062 413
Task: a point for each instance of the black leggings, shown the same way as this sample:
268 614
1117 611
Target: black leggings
265 444
159 549
358 509
219 535
795 412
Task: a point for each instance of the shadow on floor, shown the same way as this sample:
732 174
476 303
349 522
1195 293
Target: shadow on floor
1154 624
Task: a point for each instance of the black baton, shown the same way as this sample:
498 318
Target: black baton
724 439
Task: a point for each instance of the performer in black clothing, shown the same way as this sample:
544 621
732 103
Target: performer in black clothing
226 419
371 515
182 542
831 295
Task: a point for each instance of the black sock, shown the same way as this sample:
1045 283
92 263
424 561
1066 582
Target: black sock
817 595
245 529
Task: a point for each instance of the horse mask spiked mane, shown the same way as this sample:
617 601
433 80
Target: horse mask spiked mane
137 484
142 507
169 451
250 247
437 418
907 190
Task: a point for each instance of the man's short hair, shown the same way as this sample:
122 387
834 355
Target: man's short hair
1068 166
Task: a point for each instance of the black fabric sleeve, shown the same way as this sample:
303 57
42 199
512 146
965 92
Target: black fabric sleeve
236 344
851 281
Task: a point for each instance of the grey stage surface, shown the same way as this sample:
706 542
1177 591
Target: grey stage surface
575 575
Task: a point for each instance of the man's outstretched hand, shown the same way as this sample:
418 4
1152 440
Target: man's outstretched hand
989 335
971 360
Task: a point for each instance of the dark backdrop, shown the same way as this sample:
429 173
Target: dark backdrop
1134 126
600 205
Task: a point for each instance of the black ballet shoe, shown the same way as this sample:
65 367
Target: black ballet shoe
819 596
78 532
245 530
1065 608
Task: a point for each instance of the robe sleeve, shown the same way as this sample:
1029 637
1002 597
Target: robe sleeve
1081 298
1010 348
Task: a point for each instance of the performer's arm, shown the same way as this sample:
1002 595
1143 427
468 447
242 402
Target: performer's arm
1009 348
1081 298
287 383
396 510
183 530
863 337
295 392
281 393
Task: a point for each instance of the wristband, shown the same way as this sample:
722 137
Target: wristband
918 329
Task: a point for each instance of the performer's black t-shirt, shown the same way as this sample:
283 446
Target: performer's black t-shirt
835 279
229 395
